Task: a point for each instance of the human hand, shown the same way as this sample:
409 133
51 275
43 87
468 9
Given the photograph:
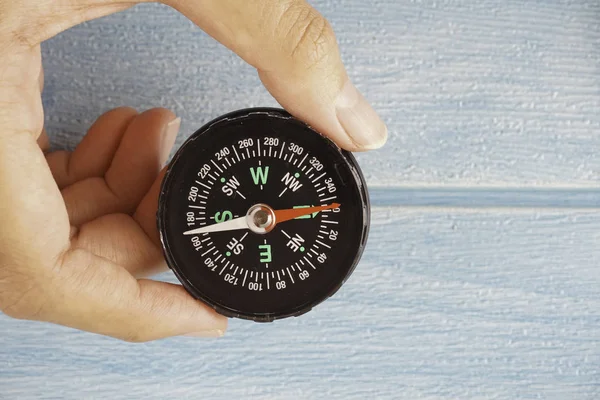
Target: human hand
77 231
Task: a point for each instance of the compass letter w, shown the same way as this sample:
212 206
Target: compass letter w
259 175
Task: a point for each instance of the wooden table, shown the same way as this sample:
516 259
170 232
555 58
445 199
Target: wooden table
482 276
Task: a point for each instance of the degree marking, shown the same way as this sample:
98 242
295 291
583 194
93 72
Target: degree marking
323 244
200 207
323 188
248 151
220 273
245 276
311 264
327 199
320 176
330 222
208 251
290 274
215 164
303 160
282 148
236 153
200 183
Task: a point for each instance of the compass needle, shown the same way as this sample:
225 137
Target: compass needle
261 217
231 225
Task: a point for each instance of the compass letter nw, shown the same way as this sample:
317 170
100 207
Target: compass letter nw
291 182
259 175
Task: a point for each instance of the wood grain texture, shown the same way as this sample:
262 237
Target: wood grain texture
481 277
492 93
446 305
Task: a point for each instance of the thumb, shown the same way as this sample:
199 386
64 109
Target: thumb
298 60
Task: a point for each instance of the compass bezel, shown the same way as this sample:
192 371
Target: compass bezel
345 157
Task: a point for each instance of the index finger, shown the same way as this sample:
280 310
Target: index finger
291 45
296 54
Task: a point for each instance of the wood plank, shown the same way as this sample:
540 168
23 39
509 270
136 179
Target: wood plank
492 93
447 304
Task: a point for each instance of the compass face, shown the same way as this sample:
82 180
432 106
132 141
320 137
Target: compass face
261 217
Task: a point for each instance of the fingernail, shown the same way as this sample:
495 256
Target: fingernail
212 333
359 119
168 139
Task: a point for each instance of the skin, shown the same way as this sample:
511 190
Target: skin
77 236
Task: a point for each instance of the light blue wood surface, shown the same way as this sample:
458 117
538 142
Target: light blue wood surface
481 278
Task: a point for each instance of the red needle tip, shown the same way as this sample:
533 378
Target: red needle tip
293 213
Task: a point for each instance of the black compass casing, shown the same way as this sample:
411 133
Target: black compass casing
262 156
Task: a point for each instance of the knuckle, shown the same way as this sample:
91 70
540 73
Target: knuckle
133 336
311 38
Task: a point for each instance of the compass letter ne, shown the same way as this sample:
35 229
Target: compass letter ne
295 242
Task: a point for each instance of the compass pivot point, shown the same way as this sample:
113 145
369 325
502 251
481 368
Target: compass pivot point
261 219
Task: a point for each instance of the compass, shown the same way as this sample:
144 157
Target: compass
261 217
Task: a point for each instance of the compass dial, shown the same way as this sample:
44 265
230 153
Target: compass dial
261 217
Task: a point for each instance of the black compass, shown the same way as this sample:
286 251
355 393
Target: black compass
261 217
